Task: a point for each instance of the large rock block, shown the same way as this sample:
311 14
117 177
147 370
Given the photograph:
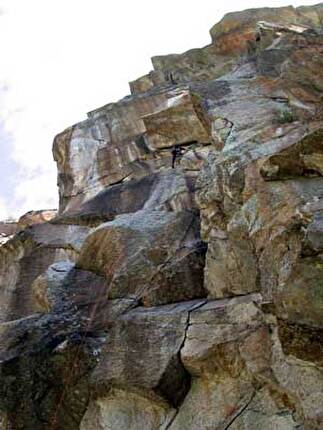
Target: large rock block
44 372
221 386
241 377
153 256
178 120
124 141
236 30
211 403
216 323
27 256
36 217
124 409
168 191
264 237
264 412
143 351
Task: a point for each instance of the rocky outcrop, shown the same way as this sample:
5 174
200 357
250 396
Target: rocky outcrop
129 140
36 217
26 257
186 298
155 257
9 228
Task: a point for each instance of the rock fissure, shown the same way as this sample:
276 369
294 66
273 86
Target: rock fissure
179 356
240 412
179 293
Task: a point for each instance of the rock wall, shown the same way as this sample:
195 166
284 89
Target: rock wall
36 217
186 298
9 228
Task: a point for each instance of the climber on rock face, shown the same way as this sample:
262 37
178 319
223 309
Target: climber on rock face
176 152
170 78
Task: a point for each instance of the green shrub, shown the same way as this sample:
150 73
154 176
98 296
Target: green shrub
285 116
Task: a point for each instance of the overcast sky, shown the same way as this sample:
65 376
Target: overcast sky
62 58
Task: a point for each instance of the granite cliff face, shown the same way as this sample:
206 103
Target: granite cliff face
187 298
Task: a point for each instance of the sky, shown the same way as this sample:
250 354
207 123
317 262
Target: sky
60 59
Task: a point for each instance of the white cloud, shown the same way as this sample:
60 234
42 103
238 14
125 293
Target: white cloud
3 210
62 58
37 192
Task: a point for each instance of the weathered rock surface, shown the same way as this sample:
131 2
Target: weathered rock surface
125 141
124 409
169 191
9 228
156 367
112 316
36 217
153 256
27 256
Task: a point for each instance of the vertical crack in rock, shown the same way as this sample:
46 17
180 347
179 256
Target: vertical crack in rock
241 411
246 112
182 398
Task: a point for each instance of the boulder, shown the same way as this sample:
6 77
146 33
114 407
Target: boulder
26 257
168 191
236 30
36 217
124 409
153 256
143 351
